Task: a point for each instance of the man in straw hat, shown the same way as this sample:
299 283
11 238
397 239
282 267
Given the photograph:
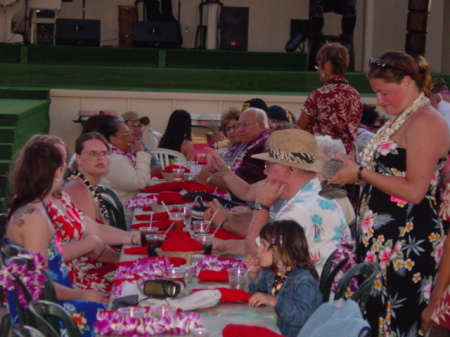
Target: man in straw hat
291 167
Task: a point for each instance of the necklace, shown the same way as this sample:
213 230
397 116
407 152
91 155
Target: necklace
388 130
278 281
337 81
95 194
130 155
262 137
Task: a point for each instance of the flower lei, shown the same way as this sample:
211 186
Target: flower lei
141 269
139 202
388 130
130 155
32 278
238 161
211 262
111 323
94 191
344 249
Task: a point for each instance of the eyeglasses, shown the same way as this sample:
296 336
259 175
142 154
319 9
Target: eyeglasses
135 126
96 153
374 63
233 127
244 125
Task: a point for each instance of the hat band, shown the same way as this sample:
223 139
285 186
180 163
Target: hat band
292 157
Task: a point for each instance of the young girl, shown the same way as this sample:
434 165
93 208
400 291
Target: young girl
288 280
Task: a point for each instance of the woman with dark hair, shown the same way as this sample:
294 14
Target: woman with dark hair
178 134
398 220
129 164
334 109
38 175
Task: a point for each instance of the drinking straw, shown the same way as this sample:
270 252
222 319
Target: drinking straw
215 190
151 219
170 227
165 207
210 220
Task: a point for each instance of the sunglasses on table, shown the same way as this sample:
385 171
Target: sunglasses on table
374 63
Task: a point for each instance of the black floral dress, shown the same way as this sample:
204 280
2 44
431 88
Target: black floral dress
406 240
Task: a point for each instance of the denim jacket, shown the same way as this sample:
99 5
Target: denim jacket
297 299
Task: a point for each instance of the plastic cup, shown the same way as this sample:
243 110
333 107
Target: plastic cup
201 227
206 241
178 218
163 311
176 273
154 241
178 174
196 257
237 279
189 276
200 332
187 215
145 231
190 176
131 312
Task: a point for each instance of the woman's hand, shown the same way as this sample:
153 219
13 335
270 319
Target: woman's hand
426 318
259 299
252 263
95 296
222 213
347 174
136 146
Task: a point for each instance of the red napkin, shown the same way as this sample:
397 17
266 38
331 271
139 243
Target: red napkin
176 261
213 276
136 250
156 216
157 175
159 224
177 233
182 243
177 186
170 198
231 295
169 169
225 235
238 330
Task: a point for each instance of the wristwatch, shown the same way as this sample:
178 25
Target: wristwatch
258 206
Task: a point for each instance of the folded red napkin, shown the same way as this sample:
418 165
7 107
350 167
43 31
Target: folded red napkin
239 330
177 233
170 198
164 224
136 250
156 216
225 235
181 243
147 208
175 261
157 175
231 295
177 186
213 276
169 169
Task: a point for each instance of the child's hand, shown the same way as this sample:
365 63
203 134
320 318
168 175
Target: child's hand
252 263
259 299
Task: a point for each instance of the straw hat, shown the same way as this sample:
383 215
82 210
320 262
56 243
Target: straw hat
295 148
134 116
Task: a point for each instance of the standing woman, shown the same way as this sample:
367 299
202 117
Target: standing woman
178 134
398 223
38 174
334 109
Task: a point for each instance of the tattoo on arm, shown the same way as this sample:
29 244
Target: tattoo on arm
17 217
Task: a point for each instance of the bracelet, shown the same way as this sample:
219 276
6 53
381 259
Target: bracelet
222 173
223 222
361 168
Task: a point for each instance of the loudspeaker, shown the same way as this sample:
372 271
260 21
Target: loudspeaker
233 25
155 34
75 32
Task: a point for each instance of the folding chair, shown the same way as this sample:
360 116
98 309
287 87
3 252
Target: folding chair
164 156
25 331
328 275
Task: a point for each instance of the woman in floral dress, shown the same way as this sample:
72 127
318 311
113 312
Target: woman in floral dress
38 174
398 222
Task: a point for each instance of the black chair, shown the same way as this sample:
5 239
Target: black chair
25 331
366 273
115 218
44 311
328 275
112 195
5 325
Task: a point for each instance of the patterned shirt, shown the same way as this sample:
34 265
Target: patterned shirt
334 109
322 220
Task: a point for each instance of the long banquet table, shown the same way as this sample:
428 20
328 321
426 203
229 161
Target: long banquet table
216 318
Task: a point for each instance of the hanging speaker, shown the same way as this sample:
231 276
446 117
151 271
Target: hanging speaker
74 32
233 25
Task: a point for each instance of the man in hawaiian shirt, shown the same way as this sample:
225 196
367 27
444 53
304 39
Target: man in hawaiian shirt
291 166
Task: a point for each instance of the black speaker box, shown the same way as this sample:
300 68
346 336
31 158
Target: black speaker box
233 25
154 34
74 32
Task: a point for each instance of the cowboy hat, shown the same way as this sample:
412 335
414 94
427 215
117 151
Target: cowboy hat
295 148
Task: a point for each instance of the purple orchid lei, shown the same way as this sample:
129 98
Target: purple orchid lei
140 270
139 202
112 323
211 262
32 278
344 249
130 155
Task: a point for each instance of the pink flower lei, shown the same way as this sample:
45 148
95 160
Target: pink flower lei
139 202
130 155
261 138
32 278
111 323
211 262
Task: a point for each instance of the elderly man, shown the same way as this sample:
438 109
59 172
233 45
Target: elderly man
136 124
253 130
291 167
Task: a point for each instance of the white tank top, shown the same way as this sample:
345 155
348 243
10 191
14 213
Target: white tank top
444 108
